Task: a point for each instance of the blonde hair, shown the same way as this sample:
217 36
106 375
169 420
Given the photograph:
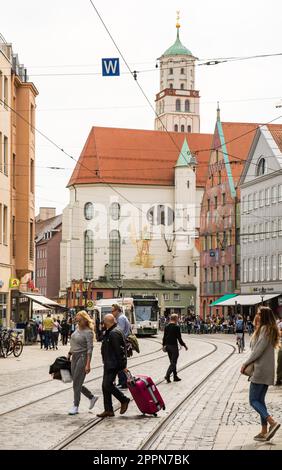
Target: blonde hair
87 318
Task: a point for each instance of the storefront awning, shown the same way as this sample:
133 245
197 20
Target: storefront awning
222 299
40 299
251 299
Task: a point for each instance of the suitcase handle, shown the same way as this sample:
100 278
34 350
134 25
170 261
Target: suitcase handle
130 378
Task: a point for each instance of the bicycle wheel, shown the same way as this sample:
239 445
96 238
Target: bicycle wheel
18 348
3 351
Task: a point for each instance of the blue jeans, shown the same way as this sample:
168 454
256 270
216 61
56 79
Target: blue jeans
257 396
47 338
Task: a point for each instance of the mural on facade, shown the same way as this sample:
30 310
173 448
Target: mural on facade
143 257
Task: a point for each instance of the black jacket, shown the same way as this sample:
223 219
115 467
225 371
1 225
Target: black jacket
61 362
114 349
172 334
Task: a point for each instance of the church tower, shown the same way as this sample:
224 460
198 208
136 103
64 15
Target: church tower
178 102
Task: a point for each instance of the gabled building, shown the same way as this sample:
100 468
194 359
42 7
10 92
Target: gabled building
220 213
261 216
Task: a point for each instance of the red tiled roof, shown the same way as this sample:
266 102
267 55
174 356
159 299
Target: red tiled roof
131 156
276 132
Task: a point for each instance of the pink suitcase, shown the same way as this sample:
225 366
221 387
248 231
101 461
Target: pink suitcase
145 394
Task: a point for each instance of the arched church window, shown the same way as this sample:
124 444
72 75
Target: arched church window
88 254
189 128
178 105
261 167
114 254
88 211
175 128
182 128
115 211
182 86
187 106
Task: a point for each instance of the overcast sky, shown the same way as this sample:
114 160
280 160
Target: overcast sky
66 37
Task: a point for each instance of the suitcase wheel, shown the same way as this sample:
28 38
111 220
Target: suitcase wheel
164 407
155 414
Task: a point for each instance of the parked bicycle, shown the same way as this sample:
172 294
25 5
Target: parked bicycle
10 343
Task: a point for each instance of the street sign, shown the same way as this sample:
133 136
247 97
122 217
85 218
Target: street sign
110 67
90 304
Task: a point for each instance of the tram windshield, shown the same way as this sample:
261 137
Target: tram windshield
146 312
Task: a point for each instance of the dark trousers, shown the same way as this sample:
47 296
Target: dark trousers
78 363
257 400
47 338
41 336
173 354
122 379
279 367
110 389
55 337
64 336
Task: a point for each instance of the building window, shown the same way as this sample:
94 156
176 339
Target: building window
175 127
267 229
160 215
14 171
177 105
267 267
244 270
32 118
261 198
88 254
261 268
195 269
215 202
274 229
31 240
255 233
267 196
182 71
256 202
31 175
209 205
5 155
280 193
13 236
189 129
219 177
256 269
223 199
280 227
182 86
166 297
273 194
114 254
250 231
280 267
115 211
6 95
261 231
5 225
171 86
261 167
88 211
250 266
187 106
244 204
170 71
182 129
176 297
274 267
250 202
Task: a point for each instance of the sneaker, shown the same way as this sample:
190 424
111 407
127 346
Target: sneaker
73 410
124 406
272 430
168 381
92 402
260 437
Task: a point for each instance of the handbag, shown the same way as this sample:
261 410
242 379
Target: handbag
249 370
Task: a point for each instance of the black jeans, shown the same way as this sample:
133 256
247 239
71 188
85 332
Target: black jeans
64 337
110 389
122 379
173 354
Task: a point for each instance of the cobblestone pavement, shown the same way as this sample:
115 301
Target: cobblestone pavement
42 424
217 416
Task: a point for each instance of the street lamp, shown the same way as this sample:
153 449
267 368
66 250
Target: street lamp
262 294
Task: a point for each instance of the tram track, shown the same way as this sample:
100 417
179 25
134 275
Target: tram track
26 387
57 392
63 444
158 430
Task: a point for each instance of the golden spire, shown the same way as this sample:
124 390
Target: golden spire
177 19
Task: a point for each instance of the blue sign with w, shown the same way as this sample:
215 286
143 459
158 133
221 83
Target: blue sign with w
110 67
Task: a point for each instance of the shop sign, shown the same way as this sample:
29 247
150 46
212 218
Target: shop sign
90 304
14 283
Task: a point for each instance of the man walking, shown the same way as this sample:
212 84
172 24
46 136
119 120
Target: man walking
172 335
48 324
125 327
114 358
